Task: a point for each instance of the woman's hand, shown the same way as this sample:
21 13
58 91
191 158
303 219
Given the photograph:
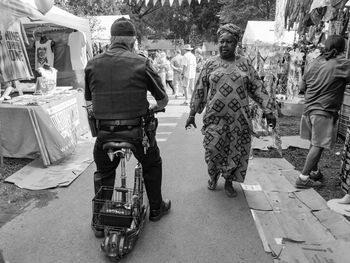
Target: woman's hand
190 122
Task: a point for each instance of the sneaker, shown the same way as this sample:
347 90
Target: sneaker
316 175
156 215
308 183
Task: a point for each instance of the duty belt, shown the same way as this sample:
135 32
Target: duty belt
133 122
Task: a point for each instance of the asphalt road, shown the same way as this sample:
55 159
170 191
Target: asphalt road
203 226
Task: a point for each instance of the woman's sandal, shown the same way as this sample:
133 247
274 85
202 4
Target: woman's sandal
213 183
229 190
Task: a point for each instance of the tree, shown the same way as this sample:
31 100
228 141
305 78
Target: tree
176 22
240 12
90 7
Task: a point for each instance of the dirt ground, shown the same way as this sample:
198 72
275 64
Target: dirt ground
329 163
13 199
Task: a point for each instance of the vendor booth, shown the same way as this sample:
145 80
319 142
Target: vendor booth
44 54
264 32
269 53
314 22
69 39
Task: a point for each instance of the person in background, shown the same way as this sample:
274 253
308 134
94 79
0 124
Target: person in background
199 60
189 73
118 106
223 89
324 84
169 75
161 65
176 63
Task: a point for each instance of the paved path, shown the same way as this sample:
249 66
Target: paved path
203 226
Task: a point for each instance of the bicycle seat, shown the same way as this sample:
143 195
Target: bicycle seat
114 146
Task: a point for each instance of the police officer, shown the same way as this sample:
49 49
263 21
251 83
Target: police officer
117 82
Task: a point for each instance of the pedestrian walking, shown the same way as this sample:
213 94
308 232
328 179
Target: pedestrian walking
177 65
169 75
224 85
189 73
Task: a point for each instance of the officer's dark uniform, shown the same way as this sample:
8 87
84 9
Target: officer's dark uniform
117 82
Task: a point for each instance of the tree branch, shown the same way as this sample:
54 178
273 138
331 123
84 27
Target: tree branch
149 11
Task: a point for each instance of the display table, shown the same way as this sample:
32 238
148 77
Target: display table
43 125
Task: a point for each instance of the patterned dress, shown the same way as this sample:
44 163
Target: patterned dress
222 89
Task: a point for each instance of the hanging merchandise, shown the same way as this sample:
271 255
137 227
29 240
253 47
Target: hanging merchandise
295 73
279 21
46 83
345 164
319 3
44 52
77 47
14 62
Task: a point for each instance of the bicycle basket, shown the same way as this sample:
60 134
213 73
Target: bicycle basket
123 211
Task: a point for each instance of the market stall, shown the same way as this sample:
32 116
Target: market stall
269 54
49 125
67 41
49 121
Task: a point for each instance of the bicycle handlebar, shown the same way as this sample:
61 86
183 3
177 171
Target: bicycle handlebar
156 111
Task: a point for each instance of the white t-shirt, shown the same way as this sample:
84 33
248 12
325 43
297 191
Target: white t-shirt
77 47
189 61
14 62
43 54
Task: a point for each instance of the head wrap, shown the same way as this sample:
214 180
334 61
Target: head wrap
231 29
123 27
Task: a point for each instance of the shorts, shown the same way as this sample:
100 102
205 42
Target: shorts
189 83
320 130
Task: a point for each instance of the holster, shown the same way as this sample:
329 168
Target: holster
150 128
92 121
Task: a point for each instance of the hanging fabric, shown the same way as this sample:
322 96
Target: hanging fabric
43 53
319 3
14 62
77 46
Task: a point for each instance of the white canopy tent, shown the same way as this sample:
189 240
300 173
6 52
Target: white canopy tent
264 32
62 18
54 20
27 12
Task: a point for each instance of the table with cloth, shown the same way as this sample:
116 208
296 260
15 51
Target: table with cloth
45 125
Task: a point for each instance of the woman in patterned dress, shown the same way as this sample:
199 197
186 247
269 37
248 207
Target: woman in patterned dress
222 89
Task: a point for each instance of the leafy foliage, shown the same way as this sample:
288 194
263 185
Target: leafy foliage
191 22
90 7
240 12
175 22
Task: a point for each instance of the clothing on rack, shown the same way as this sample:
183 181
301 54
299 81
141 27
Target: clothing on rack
43 52
77 47
14 62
